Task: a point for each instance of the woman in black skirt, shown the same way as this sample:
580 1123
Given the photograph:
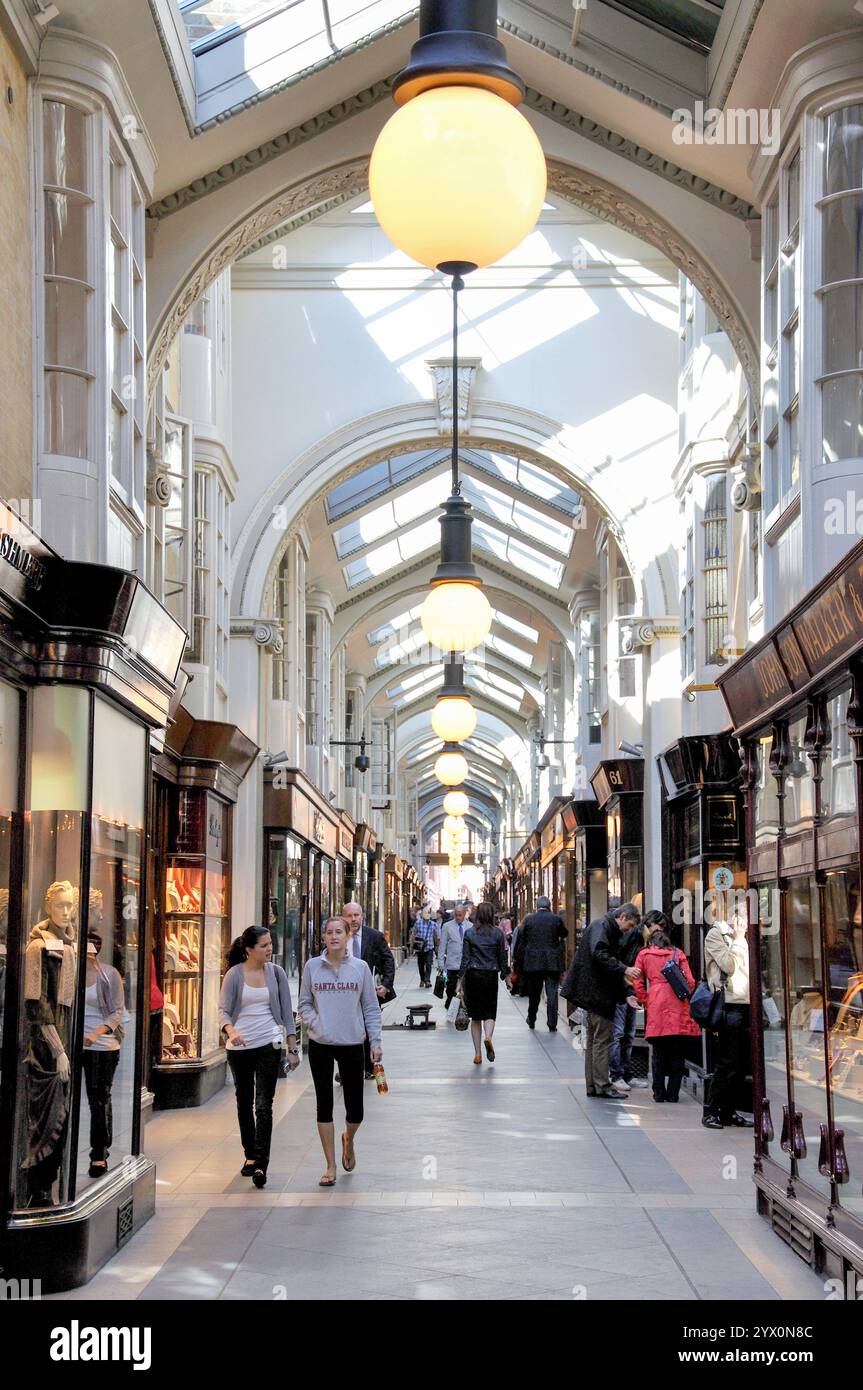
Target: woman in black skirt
483 959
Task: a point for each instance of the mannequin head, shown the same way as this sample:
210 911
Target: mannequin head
60 903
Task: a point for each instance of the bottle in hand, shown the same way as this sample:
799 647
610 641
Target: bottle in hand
380 1078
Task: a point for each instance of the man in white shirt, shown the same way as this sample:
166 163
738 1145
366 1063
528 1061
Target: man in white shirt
370 945
726 953
449 948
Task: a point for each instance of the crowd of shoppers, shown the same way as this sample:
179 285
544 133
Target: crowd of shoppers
622 961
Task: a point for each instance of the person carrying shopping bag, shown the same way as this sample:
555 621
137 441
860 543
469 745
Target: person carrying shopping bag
257 1017
669 1022
339 1006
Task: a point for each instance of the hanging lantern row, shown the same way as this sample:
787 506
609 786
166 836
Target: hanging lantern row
457 181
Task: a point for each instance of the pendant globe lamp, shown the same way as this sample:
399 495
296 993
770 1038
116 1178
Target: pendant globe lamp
454 825
457 174
456 803
451 766
453 717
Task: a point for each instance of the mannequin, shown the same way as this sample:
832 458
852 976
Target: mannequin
50 968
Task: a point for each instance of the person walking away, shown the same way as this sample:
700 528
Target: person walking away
726 954
368 944
341 1009
540 958
257 1018
104 1005
450 949
620 1068
668 1020
597 981
505 924
424 937
483 960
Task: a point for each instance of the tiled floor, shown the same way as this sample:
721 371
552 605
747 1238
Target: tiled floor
472 1182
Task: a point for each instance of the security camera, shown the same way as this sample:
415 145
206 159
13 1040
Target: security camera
632 750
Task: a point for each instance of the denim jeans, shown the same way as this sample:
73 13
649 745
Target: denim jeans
620 1056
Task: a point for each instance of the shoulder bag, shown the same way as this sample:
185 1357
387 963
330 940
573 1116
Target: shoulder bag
674 976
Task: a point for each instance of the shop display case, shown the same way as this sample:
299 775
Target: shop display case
196 934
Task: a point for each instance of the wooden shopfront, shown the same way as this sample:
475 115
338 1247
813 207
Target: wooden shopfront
344 881
796 701
196 781
365 884
584 829
301 840
527 876
393 891
618 785
552 856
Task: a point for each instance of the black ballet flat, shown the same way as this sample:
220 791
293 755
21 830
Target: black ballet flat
248 1168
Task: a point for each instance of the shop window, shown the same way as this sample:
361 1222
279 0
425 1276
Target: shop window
715 538
788 572
10 713
841 286
799 782
838 796
843 947
766 799
806 1020
285 901
774 1009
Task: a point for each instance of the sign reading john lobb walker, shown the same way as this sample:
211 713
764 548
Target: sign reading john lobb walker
818 635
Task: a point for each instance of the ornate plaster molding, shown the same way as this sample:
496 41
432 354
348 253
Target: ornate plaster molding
309 197
440 369
265 631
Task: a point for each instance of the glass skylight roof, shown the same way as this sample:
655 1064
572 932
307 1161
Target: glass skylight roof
395 625
517 515
529 477
210 19
377 479
476 682
386 557
522 557
423 499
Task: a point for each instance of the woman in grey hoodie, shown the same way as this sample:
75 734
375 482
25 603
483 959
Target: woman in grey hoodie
339 1006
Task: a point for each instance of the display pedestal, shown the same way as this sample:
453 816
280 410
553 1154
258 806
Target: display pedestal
64 1250
179 1085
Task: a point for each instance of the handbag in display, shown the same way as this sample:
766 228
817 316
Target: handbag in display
439 984
674 976
707 1006
462 1018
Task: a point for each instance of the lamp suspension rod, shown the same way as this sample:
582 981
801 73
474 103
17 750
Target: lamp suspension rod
457 284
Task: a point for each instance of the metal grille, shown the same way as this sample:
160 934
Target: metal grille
716 570
125 1221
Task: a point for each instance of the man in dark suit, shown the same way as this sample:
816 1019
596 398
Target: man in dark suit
371 946
597 981
539 957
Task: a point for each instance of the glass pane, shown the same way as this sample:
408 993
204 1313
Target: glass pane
113 930
806 996
9 717
64 134
212 984
66 324
844 150
843 946
799 784
766 800
792 194
843 329
57 797
66 425
775 1013
837 787
842 419
842 239
66 223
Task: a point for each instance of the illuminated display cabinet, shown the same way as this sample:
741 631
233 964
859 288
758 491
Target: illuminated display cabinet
88 664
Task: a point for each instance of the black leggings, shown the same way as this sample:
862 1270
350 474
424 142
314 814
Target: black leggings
255 1071
351 1070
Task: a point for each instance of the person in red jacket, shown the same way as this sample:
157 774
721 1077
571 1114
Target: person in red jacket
669 1022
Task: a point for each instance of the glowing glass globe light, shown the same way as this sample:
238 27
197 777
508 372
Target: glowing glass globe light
451 768
456 804
456 617
454 824
453 719
457 174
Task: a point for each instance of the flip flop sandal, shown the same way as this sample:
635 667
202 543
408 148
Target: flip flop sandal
348 1167
326 1182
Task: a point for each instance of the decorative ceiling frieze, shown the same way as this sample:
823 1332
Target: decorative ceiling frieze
370 96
